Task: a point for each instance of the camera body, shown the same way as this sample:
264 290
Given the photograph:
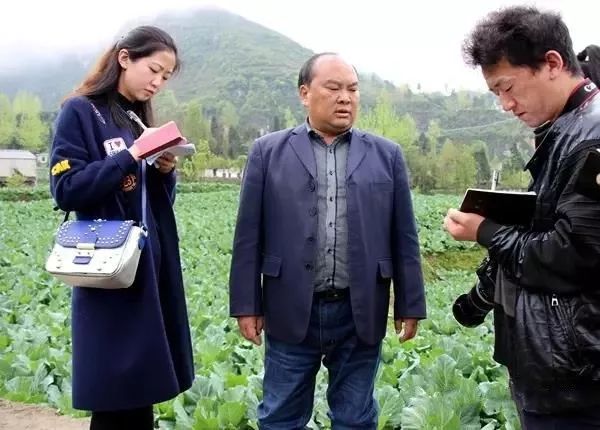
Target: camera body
471 308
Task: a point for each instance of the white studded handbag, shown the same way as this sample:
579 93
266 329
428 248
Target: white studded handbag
99 253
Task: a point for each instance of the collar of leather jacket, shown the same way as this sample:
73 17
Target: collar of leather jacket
580 95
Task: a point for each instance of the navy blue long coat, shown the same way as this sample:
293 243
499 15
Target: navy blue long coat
131 347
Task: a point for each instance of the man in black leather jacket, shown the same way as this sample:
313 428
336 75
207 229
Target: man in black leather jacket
547 295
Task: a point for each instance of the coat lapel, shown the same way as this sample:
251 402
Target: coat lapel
358 150
302 147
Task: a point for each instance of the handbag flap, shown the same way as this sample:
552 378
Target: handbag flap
99 233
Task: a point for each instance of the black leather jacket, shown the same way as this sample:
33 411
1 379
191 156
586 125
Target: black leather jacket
550 340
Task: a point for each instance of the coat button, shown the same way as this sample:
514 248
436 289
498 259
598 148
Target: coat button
312 186
311 239
312 211
308 267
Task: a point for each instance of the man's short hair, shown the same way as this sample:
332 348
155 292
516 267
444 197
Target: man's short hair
306 74
522 35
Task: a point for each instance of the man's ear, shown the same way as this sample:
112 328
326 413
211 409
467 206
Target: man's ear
123 58
303 94
555 63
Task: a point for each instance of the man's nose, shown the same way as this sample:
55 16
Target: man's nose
344 97
507 103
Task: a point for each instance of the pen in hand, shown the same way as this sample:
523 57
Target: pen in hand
137 119
134 150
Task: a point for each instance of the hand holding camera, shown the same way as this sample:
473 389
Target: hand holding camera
471 308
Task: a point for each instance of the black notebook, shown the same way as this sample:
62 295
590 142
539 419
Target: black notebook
503 207
586 182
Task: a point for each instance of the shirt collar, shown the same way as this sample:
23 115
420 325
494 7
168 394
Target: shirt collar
347 135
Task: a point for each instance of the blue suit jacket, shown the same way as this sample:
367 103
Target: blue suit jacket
275 236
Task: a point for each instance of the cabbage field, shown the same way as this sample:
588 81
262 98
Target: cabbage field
443 379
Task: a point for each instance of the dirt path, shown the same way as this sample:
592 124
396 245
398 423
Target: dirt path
19 416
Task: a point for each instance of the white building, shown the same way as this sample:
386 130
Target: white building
18 162
222 173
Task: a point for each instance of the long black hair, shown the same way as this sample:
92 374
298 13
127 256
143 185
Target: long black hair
103 79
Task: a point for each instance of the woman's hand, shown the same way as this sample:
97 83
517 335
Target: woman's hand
165 163
134 150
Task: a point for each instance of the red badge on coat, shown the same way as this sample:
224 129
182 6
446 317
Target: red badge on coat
129 183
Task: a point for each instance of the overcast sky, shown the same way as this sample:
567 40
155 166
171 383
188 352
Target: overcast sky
403 41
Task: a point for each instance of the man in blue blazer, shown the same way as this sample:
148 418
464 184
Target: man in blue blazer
325 224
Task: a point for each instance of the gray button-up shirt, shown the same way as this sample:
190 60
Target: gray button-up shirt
331 266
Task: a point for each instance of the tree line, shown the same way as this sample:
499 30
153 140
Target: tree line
440 159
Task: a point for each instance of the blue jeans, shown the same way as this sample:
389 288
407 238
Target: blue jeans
291 369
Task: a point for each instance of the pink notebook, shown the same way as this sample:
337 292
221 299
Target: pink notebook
163 137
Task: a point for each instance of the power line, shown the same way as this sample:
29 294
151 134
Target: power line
449 130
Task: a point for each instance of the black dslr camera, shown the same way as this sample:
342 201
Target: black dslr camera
470 309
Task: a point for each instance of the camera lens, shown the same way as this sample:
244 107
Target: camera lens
471 309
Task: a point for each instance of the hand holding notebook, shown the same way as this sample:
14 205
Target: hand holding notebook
182 149
503 207
156 141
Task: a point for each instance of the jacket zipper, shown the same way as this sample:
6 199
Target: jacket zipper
555 303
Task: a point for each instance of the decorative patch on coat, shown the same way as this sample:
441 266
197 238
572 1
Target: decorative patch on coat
98 114
60 167
129 183
114 146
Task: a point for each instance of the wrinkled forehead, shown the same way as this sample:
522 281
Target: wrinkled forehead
334 67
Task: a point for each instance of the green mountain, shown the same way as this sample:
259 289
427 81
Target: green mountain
226 58
243 76
49 80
